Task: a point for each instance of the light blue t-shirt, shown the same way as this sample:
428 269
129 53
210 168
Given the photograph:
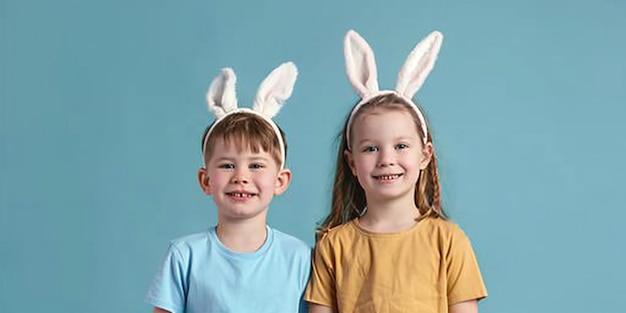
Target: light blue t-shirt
201 275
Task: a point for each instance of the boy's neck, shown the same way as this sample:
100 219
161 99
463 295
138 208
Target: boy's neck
243 236
389 216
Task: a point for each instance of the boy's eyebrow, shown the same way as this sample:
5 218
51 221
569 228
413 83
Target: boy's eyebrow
221 159
253 158
260 158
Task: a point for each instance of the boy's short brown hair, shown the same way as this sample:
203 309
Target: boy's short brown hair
246 131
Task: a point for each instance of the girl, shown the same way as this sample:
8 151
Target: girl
386 245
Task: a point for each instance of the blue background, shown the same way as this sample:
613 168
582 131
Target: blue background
103 109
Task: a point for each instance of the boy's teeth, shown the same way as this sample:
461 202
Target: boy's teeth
241 195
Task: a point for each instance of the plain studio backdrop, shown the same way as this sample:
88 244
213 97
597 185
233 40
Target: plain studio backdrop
103 110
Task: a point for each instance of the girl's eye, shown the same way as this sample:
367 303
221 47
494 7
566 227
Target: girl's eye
370 149
256 166
228 166
401 146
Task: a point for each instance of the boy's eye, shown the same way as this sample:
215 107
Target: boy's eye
256 166
228 166
370 149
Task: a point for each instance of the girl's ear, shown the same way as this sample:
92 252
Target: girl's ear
427 154
360 64
204 181
282 181
350 160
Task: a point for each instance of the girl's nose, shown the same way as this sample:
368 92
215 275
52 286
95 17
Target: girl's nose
386 158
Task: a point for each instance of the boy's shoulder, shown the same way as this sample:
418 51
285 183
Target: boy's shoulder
289 241
192 238
191 242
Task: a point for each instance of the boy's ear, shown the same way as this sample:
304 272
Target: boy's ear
350 160
282 181
427 154
204 181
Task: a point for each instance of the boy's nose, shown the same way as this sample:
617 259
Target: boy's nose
240 177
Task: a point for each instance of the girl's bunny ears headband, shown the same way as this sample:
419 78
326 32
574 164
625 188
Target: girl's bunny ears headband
362 73
273 91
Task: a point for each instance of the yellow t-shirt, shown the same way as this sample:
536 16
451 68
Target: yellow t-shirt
423 269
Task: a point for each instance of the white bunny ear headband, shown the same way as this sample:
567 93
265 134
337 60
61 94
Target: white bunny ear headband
273 91
362 72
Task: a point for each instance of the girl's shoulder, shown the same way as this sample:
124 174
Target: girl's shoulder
441 227
435 228
439 223
345 230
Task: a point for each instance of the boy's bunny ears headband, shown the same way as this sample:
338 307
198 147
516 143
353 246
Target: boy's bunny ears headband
362 73
273 91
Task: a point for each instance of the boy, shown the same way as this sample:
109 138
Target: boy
242 264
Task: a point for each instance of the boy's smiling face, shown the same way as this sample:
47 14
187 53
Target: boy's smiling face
242 183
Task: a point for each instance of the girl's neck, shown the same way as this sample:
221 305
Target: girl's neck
389 216
243 236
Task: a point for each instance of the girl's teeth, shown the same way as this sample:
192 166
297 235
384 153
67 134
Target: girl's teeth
388 177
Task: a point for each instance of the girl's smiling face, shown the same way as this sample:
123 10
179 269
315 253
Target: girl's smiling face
387 154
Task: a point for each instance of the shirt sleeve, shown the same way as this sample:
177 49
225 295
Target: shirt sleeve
321 287
463 274
169 287
304 306
306 275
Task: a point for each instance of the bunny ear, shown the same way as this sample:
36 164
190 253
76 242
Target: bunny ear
360 64
418 65
275 89
221 96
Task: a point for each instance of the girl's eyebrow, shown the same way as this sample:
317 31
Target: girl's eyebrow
363 141
399 138
406 138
